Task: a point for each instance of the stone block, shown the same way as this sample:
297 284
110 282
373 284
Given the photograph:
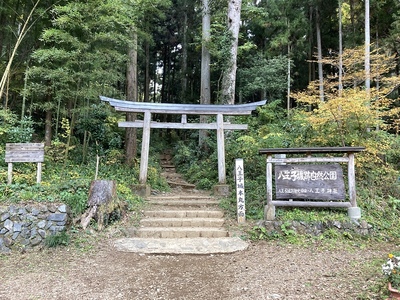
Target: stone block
142 190
42 233
55 229
26 233
17 227
24 242
4 217
354 213
35 212
57 217
36 240
223 190
52 208
41 224
12 210
63 208
33 232
22 211
269 212
8 224
7 242
15 235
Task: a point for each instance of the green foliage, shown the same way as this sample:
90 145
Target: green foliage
311 215
69 182
75 195
22 131
258 233
57 239
261 74
100 126
13 130
197 166
286 229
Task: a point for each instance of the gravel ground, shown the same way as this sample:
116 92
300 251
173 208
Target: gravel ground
266 270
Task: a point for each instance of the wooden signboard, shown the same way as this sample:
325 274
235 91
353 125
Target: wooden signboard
314 182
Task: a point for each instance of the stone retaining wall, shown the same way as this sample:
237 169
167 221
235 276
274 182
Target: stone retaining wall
317 228
24 226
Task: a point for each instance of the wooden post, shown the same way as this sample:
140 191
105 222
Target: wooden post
39 172
269 210
221 149
269 180
352 180
144 158
9 177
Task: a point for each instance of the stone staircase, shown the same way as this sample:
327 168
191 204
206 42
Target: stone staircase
182 217
183 213
174 179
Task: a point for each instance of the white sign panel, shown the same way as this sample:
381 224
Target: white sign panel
241 207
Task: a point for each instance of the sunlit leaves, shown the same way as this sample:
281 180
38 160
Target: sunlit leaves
346 120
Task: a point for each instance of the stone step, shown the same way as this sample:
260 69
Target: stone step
169 174
182 197
167 166
184 213
181 232
182 222
184 185
185 203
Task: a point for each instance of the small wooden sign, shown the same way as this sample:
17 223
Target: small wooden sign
314 182
24 152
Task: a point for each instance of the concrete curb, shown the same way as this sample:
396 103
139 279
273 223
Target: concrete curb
181 245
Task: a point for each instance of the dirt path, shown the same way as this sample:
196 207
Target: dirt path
266 270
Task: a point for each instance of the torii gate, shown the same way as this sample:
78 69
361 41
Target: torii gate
183 109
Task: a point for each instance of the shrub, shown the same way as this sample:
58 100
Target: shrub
57 239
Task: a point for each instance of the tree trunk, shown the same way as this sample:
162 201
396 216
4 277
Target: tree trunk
352 19
184 80
288 81
47 128
311 69
367 50
205 93
146 97
3 24
319 48
21 35
340 50
229 76
103 204
131 93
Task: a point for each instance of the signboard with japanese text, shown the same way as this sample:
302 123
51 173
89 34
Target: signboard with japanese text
240 198
314 182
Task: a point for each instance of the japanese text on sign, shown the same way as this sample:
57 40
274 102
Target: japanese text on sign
304 175
319 182
240 197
